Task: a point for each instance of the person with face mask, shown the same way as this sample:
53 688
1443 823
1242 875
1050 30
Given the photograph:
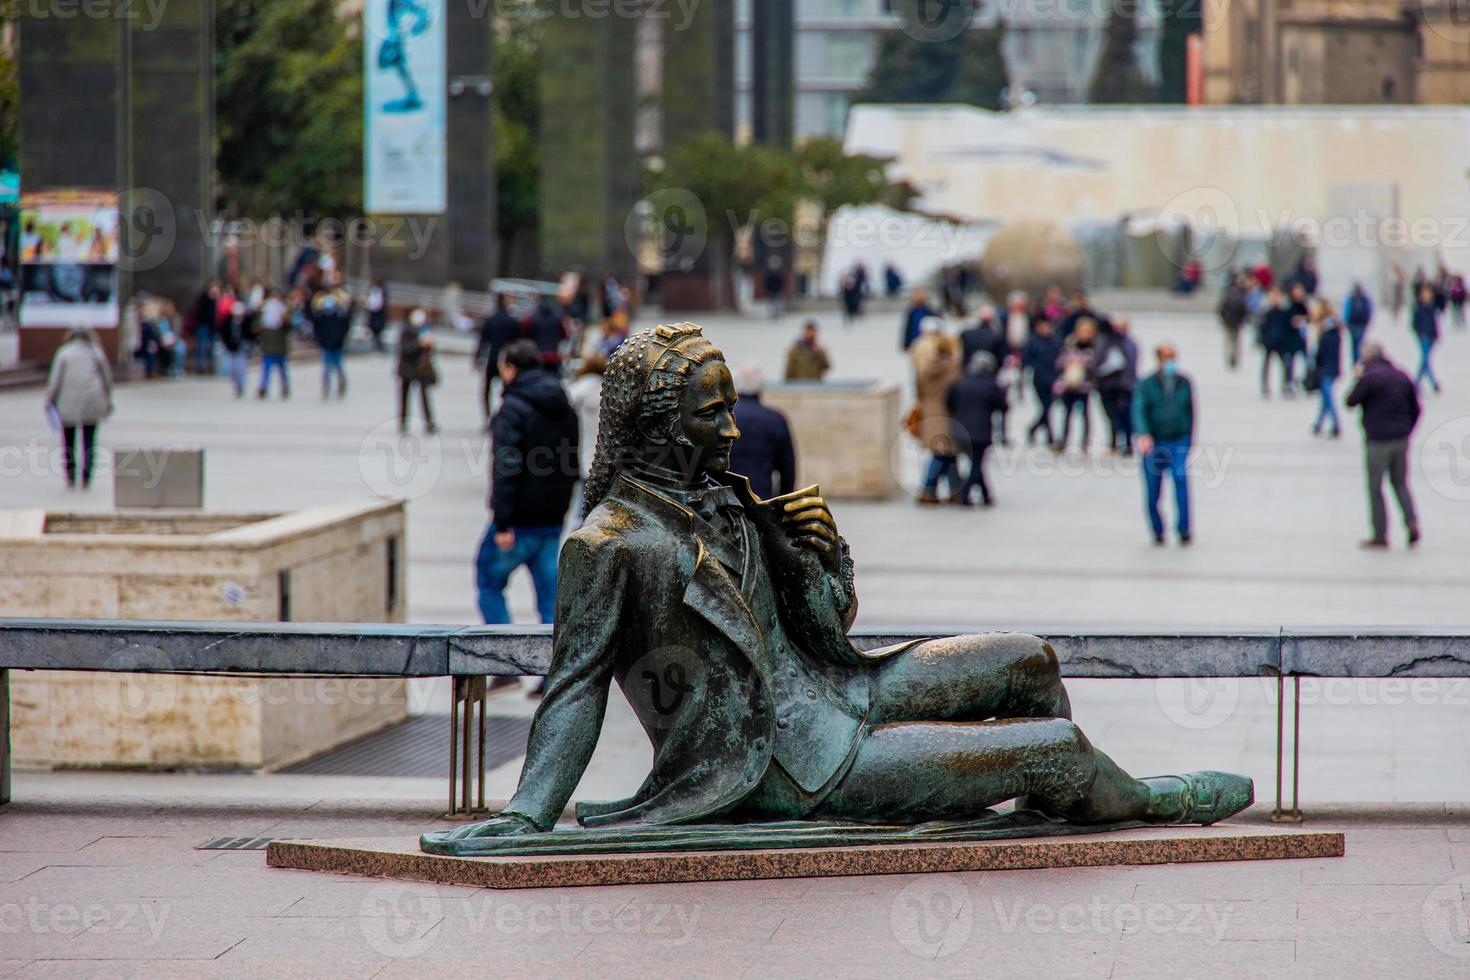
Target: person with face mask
1163 420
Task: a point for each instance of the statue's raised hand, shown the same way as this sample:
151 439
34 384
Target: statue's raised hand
809 524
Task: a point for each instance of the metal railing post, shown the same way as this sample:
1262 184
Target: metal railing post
4 736
1294 815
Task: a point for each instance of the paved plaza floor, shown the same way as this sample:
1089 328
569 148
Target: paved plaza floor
115 887
1278 517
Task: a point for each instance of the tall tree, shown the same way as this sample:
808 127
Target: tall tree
289 90
1118 78
968 68
9 102
981 76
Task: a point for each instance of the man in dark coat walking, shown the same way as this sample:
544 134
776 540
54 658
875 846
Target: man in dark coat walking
972 404
919 311
534 441
331 320
499 329
985 335
549 329
765 447
1233 312
1117 376
1390 410
1040 354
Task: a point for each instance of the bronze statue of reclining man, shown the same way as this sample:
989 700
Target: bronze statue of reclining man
724 620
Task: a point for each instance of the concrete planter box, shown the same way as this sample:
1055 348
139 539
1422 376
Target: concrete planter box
846 434
341 563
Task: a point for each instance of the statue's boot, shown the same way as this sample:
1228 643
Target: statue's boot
1197 797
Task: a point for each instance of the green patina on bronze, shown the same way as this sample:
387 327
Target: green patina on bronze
723 618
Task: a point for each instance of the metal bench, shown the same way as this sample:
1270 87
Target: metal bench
471 654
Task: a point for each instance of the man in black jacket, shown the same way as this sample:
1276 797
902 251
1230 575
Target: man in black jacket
986 336
499 329
549 329
331 320
1040 354
534 446
1080 310
1390 407
765 448
972 403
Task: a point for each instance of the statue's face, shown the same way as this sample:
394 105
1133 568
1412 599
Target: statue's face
708 416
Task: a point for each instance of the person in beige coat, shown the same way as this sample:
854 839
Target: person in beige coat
936 360
79 393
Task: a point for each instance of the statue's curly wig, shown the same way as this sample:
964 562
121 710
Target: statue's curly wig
641 394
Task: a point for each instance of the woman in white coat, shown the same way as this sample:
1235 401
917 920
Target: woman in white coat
79 392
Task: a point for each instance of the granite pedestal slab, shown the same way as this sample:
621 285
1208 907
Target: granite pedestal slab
401 858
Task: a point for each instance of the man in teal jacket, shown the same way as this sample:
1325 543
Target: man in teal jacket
1163 418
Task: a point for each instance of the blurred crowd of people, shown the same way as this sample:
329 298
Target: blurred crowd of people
1293 322
1070 356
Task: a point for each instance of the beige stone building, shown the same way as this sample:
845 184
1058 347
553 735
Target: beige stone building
1343 52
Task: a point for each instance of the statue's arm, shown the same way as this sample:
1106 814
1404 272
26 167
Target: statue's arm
592 583
814 573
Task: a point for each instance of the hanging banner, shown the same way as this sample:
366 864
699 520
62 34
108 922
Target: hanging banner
405 93
68 259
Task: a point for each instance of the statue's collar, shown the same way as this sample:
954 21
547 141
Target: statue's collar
681 499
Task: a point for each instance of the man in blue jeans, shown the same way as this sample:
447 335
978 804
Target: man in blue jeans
1163 421
534 445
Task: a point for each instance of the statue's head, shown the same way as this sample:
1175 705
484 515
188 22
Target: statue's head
668 401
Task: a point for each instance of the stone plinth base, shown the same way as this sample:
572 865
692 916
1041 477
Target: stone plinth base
401 858
845 432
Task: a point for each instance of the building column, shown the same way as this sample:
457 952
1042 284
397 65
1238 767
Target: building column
459 245
168 159
773 72
699 97
589 165
471 152
117 103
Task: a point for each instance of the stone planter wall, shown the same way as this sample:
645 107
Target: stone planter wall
326 564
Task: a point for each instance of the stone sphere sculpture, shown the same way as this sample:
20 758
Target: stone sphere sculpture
1030 255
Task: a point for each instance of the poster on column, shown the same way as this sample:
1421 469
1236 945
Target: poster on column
68 259
404 133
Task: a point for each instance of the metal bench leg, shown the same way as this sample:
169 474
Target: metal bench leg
469 692
1294 815
454 744
4 736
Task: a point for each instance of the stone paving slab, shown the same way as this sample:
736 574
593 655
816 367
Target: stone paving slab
232 916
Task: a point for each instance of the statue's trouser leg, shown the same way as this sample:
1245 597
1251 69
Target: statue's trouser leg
910 772
970 678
